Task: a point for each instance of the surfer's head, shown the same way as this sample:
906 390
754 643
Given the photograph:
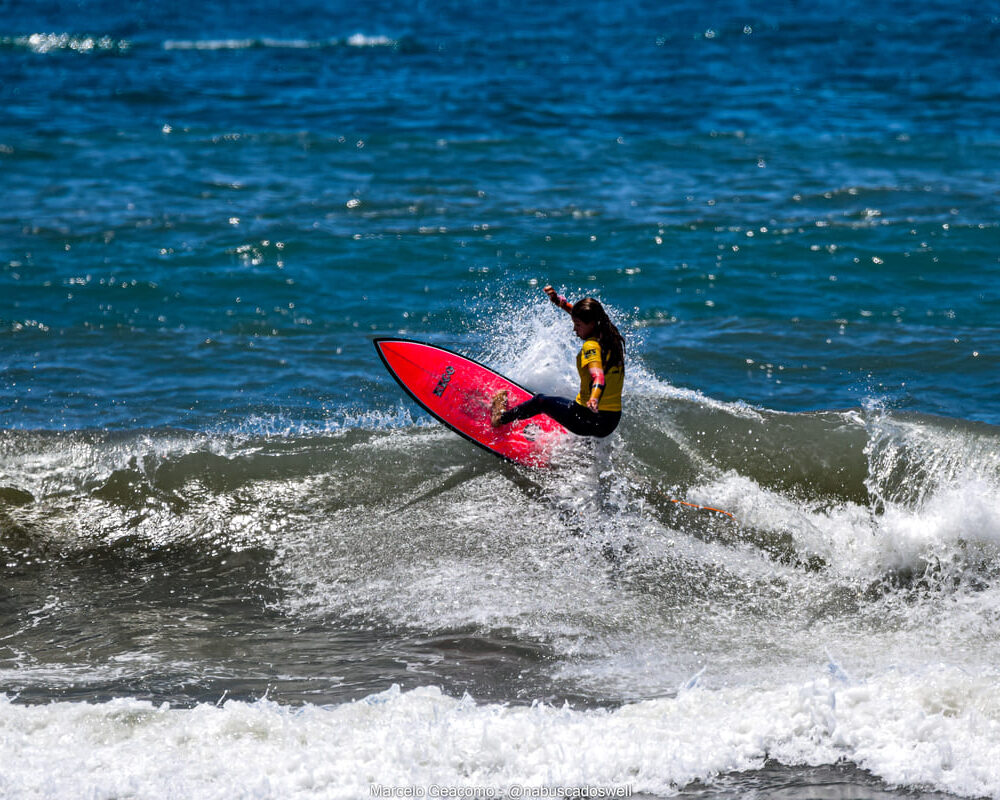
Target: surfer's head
583 329
590 321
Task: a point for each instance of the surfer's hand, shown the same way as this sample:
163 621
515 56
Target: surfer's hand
551 293
592 404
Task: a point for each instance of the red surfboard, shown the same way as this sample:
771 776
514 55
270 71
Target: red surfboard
457 391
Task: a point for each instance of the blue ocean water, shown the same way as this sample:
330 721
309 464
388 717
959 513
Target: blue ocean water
212 496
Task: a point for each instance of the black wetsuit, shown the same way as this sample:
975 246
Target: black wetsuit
568 413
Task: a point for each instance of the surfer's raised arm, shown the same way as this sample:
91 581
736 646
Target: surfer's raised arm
556 298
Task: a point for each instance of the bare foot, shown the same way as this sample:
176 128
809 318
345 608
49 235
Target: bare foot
497 406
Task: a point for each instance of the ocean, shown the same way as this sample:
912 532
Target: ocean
237 561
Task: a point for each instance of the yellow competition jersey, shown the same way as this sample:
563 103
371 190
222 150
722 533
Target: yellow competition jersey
614 378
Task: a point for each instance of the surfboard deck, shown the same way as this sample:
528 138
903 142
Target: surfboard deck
457 391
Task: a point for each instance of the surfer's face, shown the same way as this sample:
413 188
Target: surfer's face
583 329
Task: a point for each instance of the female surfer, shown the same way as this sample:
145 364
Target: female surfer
601 364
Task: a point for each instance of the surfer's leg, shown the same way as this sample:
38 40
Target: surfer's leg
569 414
584 422
529 408
606 423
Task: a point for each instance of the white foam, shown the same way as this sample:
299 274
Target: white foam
955 529
534 346
60 42
64 463
209 44
362 40
952 528
937 729
842 535
355 40
945 513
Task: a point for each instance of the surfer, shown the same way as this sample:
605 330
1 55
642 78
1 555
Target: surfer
597 408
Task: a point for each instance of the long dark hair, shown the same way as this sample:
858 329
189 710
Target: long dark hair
611 341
